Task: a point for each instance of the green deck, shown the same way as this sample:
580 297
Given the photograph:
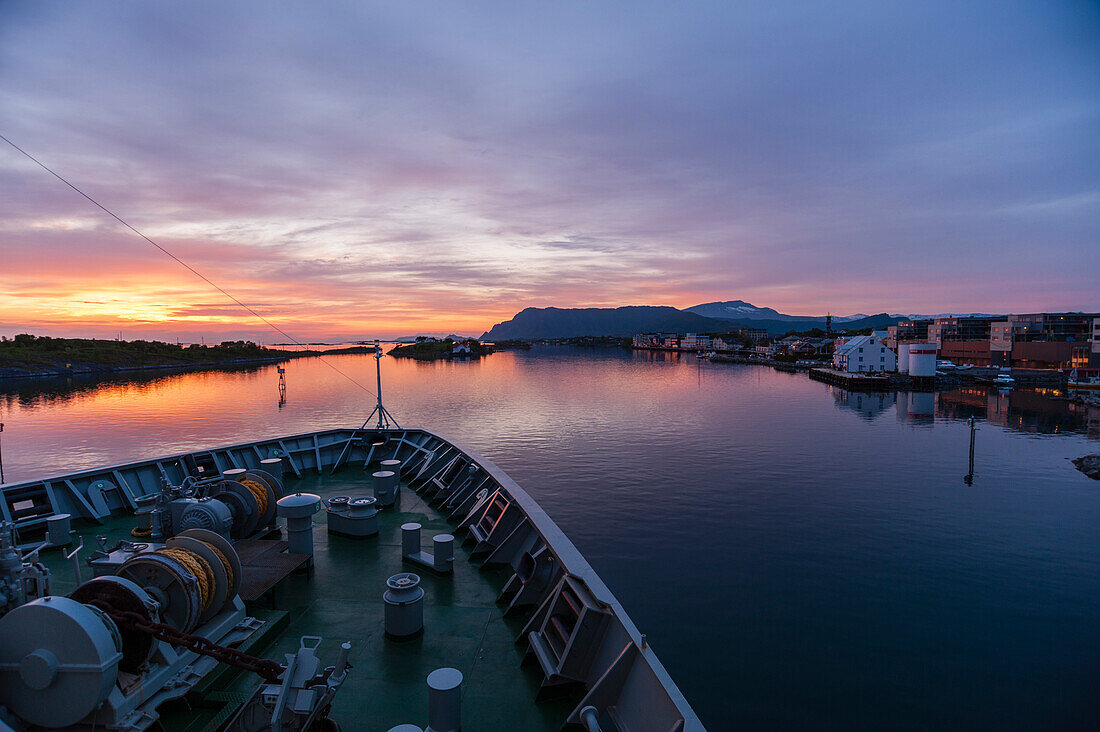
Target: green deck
342 601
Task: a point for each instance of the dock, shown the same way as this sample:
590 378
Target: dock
853 382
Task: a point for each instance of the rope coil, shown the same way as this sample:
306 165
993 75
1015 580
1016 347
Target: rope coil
198 567
259 492
225 562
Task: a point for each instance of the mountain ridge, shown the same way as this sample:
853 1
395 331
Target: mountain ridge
624 321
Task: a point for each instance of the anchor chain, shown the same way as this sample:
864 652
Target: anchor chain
266 668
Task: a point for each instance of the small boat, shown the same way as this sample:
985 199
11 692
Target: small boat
1087 382
1092 384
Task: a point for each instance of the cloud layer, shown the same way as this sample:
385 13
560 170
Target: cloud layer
354 169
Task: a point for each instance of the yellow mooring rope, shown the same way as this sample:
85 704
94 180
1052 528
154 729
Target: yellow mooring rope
225 562
259 492
197 566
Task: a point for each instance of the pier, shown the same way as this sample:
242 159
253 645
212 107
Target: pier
853 382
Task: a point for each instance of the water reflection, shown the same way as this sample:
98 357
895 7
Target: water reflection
1027 411
868 406
30 393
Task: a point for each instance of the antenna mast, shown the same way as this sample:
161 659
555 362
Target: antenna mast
384 417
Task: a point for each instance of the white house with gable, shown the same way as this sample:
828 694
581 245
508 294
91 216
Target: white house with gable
864 354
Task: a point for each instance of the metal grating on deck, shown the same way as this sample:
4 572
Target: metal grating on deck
265 563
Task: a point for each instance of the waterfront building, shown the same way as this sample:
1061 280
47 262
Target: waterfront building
754 334
726 343
695 342
811 347
864 354
907 331
1030 340
656 340
1094 356
958 329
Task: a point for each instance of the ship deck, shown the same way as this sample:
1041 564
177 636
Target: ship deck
341 600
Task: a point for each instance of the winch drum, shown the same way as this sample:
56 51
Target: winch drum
58 660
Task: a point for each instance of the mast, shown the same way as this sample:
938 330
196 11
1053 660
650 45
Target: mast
384 417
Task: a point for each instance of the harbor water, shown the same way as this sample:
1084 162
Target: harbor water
798 556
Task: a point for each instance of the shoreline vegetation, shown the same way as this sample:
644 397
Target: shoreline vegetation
28 356
431 349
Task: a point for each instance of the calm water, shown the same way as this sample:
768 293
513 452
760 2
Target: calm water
799 556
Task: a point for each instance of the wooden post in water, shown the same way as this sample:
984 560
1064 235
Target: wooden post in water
1 453
970 475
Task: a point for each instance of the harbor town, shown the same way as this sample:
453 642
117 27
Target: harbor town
1058 351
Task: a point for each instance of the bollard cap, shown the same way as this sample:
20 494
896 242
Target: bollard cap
383 474
443 538
444 679
234 472
362 507
403 581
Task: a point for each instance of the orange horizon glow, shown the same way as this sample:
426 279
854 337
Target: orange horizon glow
156 300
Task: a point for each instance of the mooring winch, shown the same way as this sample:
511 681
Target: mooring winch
122 644
238 504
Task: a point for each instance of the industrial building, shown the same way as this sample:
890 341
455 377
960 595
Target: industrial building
1030 340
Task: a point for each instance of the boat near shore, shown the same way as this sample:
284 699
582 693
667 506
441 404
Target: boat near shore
447 598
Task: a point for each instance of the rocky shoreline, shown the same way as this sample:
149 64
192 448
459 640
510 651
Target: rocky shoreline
1089 465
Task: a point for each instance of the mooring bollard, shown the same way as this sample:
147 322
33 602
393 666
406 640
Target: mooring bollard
385 487
273 466
410 539
404 615
394 466
445 700
443 553
59 530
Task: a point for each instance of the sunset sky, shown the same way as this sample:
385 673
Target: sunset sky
361 169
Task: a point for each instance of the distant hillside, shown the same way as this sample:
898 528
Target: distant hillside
879 321
625 321
740 310
534 323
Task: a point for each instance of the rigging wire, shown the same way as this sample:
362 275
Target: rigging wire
179 261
